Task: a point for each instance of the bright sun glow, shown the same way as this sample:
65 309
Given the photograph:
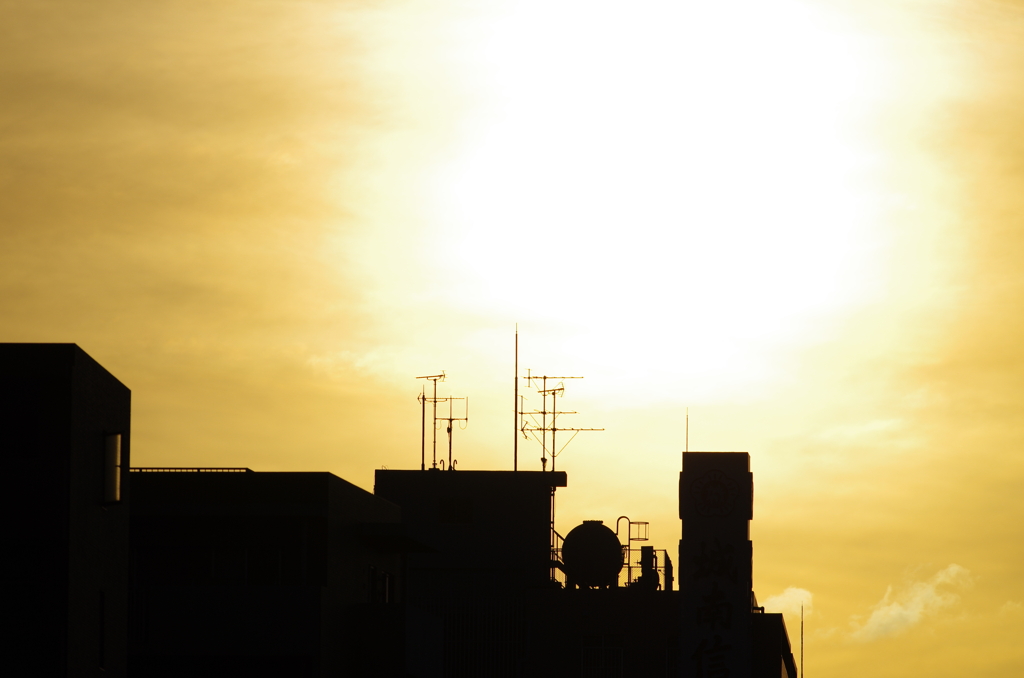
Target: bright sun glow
683 176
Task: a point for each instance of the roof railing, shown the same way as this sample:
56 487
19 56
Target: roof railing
190 469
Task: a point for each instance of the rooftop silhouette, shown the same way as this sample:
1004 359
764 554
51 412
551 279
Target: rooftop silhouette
230 571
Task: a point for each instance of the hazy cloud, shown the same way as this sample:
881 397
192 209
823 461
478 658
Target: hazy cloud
790 601
1010 607
905 607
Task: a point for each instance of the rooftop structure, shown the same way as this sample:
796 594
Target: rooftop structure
437 573
247 573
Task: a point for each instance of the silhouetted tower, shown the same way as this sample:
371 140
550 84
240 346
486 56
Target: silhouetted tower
716 505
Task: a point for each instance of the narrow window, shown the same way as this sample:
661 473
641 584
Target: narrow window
103 630
112 469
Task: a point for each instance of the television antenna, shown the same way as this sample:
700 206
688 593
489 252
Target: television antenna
423 400
450 419
532 427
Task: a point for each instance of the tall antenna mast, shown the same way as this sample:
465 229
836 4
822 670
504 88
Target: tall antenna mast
423 427
515 409
687 448
801 641
424 400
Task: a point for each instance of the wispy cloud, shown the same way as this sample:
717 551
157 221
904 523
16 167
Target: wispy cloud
1010 607
790 601
907 606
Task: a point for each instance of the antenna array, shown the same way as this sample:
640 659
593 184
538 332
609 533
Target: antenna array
423 399
532 426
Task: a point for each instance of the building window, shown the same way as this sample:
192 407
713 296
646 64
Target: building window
112 469
103 631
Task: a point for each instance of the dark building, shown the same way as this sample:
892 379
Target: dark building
723 631
487 545
66 439
771 653
436 574
489 596
263 574
495 595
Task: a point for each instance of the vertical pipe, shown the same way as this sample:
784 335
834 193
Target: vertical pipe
552 530
629 554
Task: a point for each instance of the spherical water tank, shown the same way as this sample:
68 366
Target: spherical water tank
591 555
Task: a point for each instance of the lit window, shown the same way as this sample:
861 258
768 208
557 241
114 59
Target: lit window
112 469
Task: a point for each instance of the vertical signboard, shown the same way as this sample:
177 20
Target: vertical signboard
715 505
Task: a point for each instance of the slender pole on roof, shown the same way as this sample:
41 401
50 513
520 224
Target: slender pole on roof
554 426
682 466
423 428
515 409
544 425
423 431
434 464
801 641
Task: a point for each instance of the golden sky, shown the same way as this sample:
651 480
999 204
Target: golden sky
801 219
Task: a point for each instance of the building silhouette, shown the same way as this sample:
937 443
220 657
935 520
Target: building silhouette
261 574
436 573
66 425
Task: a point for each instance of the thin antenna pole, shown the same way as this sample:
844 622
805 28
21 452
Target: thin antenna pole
554 426
434 464
801 641
423 428
515 409
687 429
543 423
423 421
